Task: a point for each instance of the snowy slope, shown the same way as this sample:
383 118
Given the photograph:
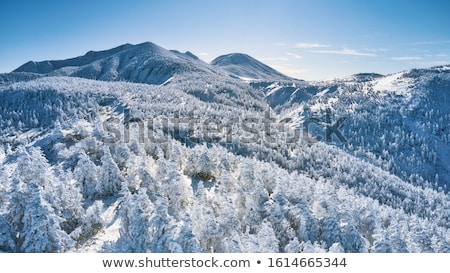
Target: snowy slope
142 63
398 122
207 162
246 67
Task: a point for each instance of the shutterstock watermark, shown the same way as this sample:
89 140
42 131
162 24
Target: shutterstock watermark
190 127
330 128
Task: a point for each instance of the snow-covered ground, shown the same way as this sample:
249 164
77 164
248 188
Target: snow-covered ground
142 149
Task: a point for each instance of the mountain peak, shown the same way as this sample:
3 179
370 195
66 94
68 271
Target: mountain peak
245 66
233 58
143 63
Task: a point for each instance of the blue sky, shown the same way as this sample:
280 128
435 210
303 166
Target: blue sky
312 40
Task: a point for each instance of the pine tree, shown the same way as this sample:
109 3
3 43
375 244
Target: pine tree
397 231
329 231
110 179
162 229
23 174
205 225
135 226
58 190
172 187
336 248
381 242
6 235
268 242
41 230
4 184
122 156
307 247
185 240
68 201
205 168
293 246
351 240
86 174
5 230
91 223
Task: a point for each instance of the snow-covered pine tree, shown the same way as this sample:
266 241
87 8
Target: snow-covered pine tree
58 189
110 178
86 174
91 224
162 228
122 156
381 242
268 242
68 200
204 223
205 168
7 243
144 180
27 171
41 230
329 230
136 213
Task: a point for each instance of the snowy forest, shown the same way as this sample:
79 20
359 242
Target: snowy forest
143 149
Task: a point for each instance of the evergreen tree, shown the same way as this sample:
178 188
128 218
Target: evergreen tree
293 246
381 242
205 225
162 229
41 230
69 200
329 231
4 188
122 156
25 173
91 223
336 248
136 214
110 179
7 243
351 240
268 242
205 168
86 174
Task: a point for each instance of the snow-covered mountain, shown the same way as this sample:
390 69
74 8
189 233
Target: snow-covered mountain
246 67
142 149
142 63
399 121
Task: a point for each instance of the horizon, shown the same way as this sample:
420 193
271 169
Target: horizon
345 38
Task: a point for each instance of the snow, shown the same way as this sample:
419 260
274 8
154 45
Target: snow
247 67
274 88
395 83
184 189
142 63
110 232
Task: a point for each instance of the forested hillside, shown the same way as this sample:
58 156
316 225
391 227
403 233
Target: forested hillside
141 149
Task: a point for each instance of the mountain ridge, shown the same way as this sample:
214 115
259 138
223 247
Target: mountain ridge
107 64
141 63
245 66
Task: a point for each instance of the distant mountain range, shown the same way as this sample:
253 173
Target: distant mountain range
149 63
142 63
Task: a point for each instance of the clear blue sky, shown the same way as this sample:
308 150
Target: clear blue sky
312 40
